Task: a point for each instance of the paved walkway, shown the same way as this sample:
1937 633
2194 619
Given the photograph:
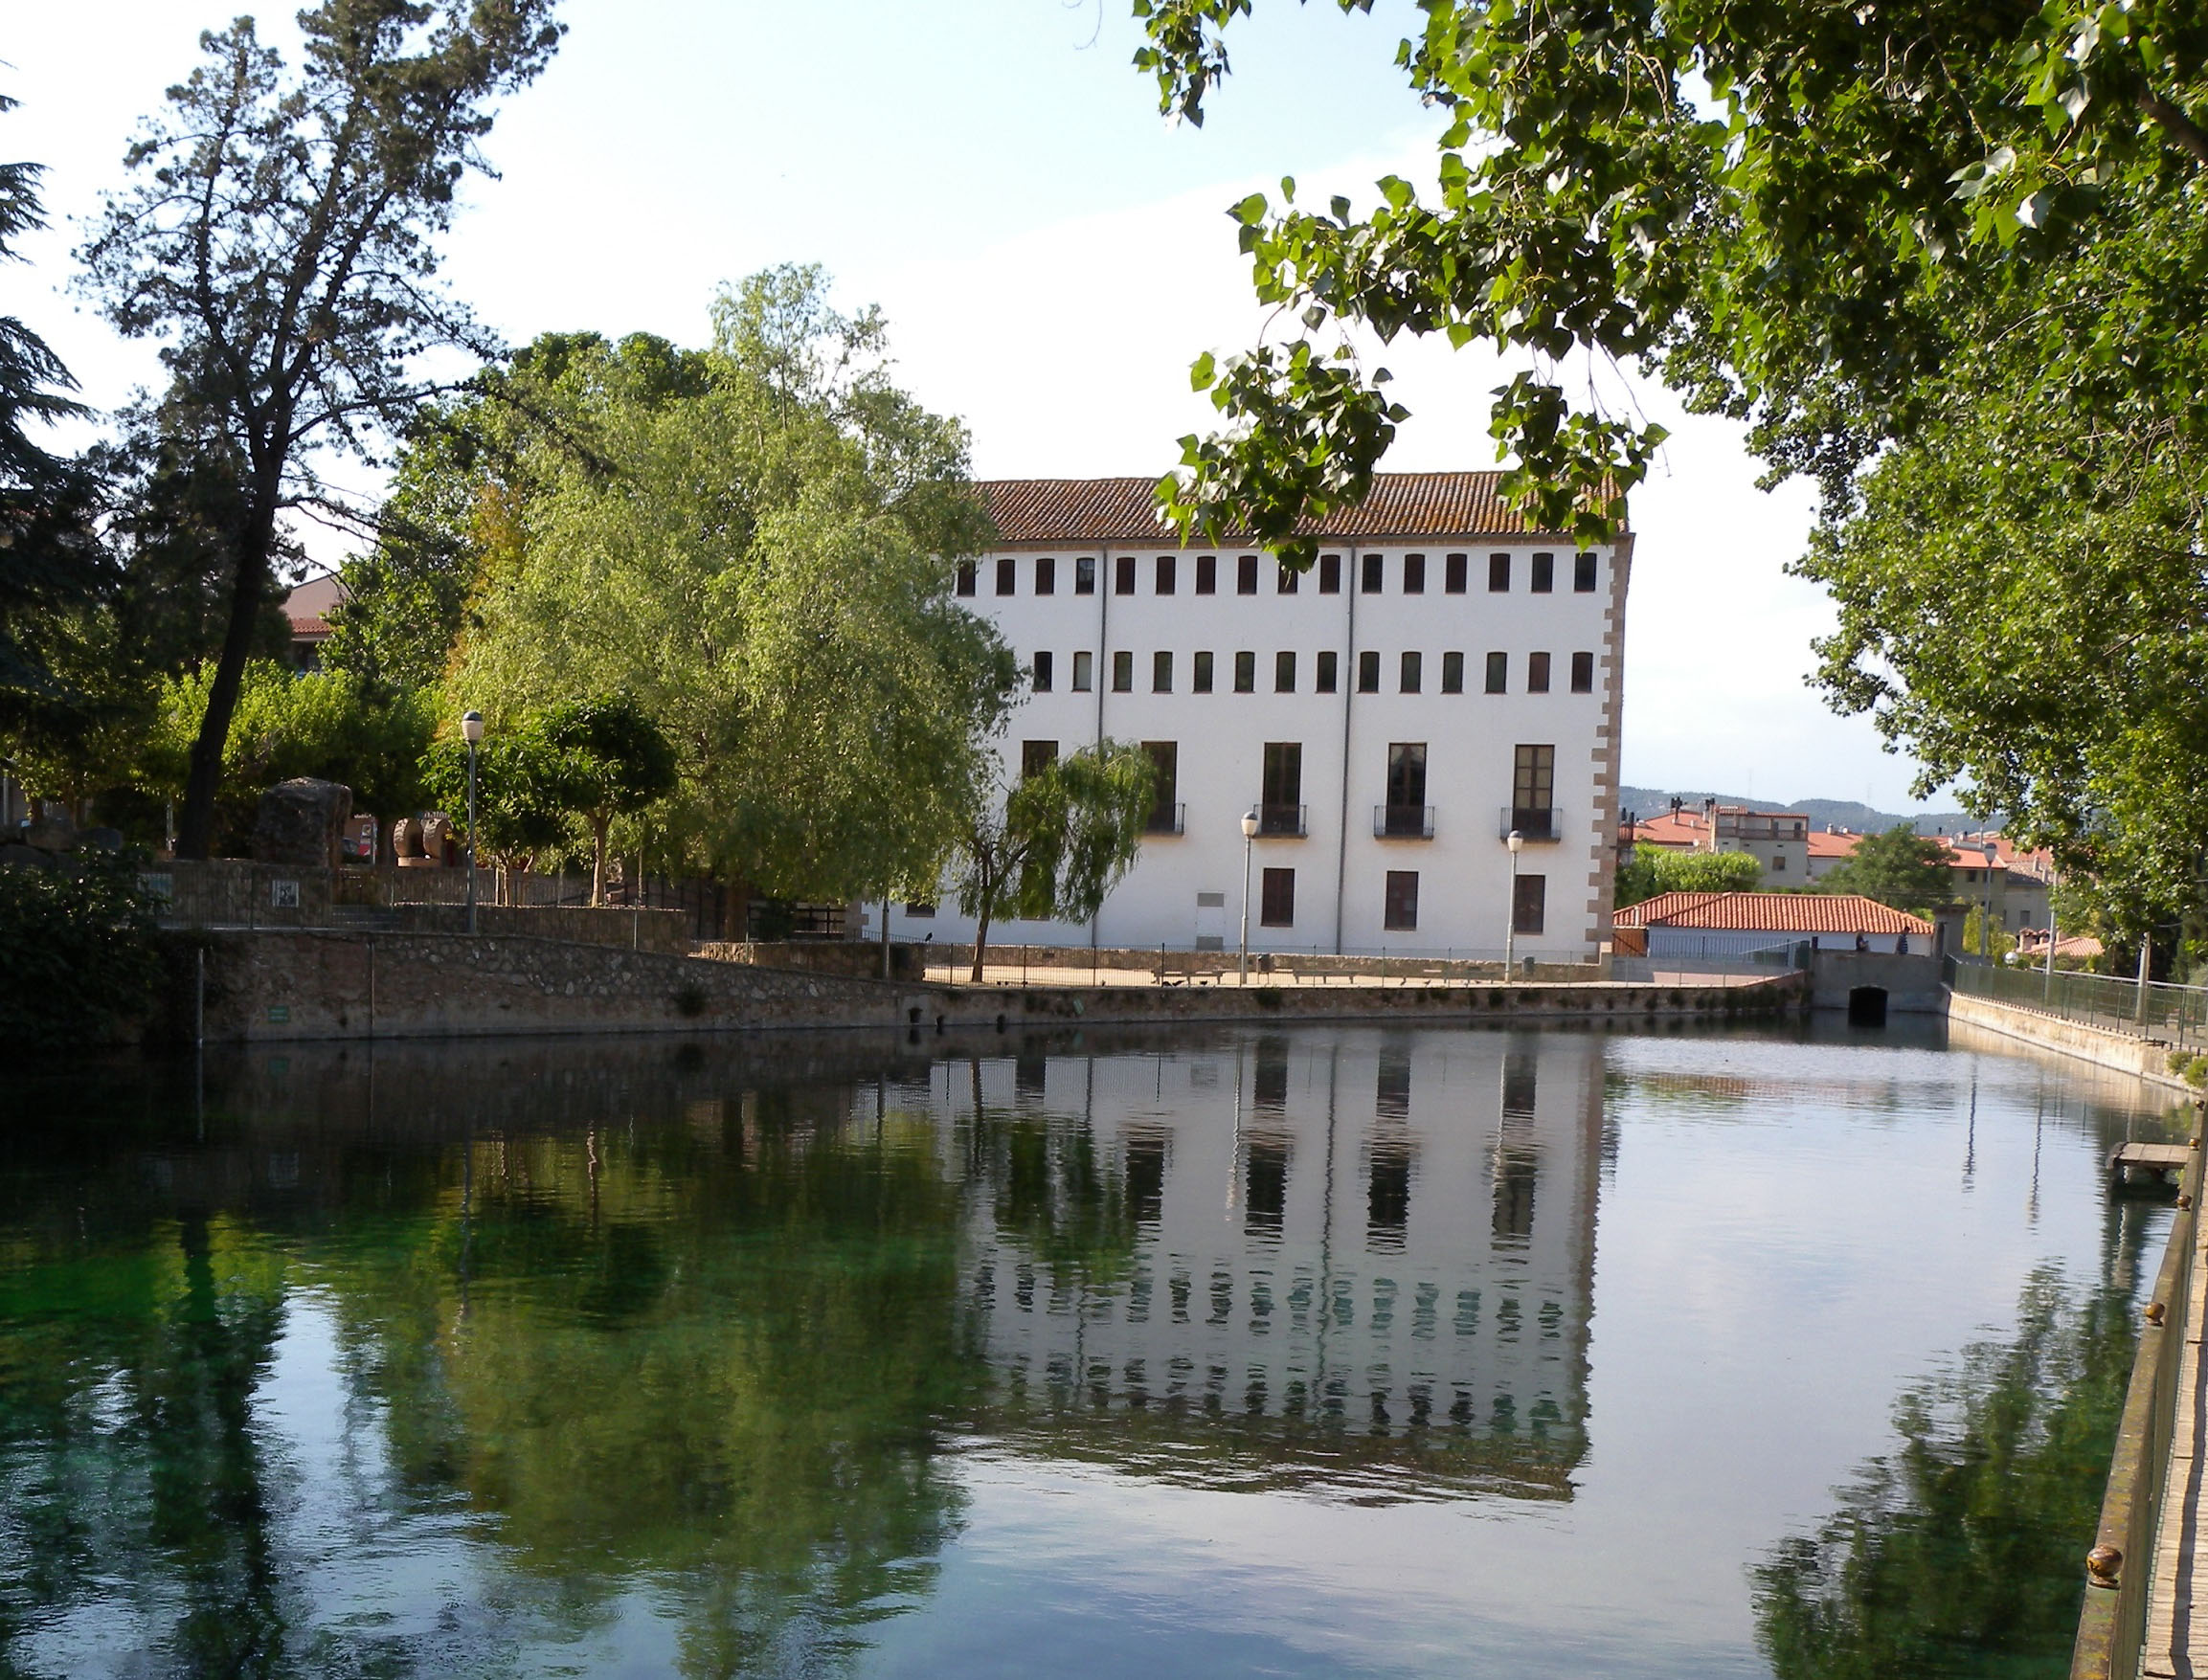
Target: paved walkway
2177 1601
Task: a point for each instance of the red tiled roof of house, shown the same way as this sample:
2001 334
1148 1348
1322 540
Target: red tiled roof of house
1686 829
1771 913
1833 845
1125 511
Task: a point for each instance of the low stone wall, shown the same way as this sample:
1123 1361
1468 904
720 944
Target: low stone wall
2147 1058
667 931
855 959
327 984
1135 958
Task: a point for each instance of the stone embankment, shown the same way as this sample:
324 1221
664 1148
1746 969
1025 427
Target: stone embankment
330 984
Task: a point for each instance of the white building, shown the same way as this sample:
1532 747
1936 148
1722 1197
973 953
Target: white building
1442 676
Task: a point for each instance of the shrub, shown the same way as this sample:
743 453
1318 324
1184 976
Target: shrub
81 965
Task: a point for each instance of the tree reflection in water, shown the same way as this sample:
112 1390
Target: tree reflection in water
1961 1552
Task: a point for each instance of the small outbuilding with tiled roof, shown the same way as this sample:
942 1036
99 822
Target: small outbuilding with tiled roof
1715 924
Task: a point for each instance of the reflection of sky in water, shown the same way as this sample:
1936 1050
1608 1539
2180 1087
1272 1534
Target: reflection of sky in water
1779 1238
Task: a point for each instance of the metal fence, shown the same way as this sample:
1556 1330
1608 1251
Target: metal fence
2174 1015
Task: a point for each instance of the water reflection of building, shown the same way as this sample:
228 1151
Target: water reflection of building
1340 1254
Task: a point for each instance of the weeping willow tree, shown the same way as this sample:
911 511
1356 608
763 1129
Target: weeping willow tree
765 563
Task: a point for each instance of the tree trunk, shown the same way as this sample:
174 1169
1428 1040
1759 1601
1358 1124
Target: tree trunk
196 827
981 944
598 866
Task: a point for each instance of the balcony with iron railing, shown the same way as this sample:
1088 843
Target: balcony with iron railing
1167 819
1403 822
1534 824
1282 821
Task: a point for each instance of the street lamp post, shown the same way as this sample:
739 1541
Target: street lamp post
1516 841
471 732
1249 837
1986 923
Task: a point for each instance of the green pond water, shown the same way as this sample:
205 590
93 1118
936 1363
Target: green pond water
1328 1352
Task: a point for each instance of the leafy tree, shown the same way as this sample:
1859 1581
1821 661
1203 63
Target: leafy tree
81 961
281 239
1770 205
522 792
321 723
613 761
1053 848
473 468
1654 870
765 562
49 558
1902 869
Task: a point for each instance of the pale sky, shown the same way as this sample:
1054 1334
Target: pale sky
1050 254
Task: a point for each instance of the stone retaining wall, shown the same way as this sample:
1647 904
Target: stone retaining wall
2147 1058
318 984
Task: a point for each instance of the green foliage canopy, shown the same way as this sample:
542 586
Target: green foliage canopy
81 960
1902 869
764 565
1766 204
1654 870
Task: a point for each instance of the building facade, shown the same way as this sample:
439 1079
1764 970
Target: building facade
1441 677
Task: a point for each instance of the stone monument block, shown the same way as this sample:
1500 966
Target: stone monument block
301 823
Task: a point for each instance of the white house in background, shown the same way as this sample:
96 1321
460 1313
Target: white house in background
1728 924
1442 676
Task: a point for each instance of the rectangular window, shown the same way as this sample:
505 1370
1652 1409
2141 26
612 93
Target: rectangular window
1165 808
1778 862
1498 574
1582 672
1498 673
1453 673
1325 678
1583 568
1042 670
1330 574
1410 673
1123 576
1414 575
1543 581
1207 574
1200 679
1161 673
1006 567
1045 575
1276 904
1283 785
1246 673
1085 576
1368 672
1456 570
1537 673
1167 567
1401 912
1084 672
1407 775
1532 789
1246 575
1285 581
1529 903
1370 584
1284 673
966 578
1123 672
1036 757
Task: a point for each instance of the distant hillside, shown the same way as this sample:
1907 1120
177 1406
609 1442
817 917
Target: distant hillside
1850 814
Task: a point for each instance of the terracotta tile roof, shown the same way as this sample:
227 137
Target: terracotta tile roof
1771 913
1125 511
1833 845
